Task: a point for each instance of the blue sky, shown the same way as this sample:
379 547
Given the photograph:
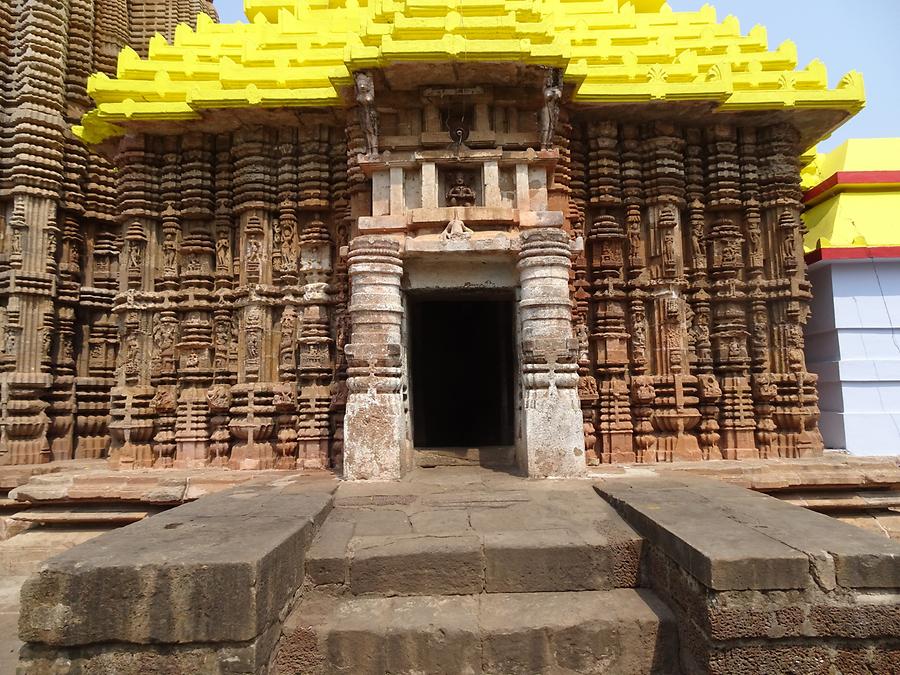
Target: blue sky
861 35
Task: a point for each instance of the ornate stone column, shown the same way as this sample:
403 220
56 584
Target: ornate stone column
554 437
374 421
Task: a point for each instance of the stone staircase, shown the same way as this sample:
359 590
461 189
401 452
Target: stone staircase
482 578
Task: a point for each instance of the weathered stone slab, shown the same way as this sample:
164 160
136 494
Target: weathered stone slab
430 634
623 632
327 561
554 560
161 580
715 547
620 632
87 514
416 565
860 559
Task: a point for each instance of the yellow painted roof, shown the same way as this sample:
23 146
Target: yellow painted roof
863 213
300 52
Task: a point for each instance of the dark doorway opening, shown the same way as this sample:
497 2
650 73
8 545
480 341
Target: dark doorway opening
462 362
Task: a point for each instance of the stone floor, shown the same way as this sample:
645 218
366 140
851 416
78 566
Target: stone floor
9 617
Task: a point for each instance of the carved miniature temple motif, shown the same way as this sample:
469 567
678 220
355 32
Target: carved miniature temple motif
233 291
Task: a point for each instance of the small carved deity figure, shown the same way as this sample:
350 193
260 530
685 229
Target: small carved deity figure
192 360
708 386
164 336
134 256
697 245
643 391
460 194
51 247
550 111
223 254
169 257
11 341
219 397
766 387
788 248
288 255
734 349
286 347
164 400
587 388
730 253
701 328
368 115
456 229
284 396
67 350
253 345
753 235
254 251
46 339
132 355
669 249
638 335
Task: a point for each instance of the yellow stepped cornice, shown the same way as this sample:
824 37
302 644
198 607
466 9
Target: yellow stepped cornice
297 53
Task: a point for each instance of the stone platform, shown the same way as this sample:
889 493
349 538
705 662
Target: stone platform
469 570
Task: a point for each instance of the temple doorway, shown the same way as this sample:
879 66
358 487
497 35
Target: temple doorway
462 363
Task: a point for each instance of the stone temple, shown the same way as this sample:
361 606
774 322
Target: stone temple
367 239
376 236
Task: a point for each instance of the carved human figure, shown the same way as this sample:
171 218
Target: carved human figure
288 254
788 247
368 115
134 256
169 255
587 388
460 194
223 253
669 248
288 327
254 251
253 345
455 230
550 111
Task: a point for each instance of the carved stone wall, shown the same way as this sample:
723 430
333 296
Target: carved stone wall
692 293
59 236
227 307
189 303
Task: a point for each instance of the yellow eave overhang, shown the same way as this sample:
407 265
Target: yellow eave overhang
300 53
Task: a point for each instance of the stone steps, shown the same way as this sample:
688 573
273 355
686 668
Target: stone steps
472 562
620 632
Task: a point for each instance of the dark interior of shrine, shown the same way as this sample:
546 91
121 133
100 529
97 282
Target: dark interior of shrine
462 363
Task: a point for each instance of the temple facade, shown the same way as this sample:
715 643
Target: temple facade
373 237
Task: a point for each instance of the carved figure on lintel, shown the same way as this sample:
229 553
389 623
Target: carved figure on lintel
550 112
460 194
456 229
368 115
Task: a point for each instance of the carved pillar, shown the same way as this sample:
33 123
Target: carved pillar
132 426
608 329
196 269
729 298
795 404
553 425
675 412
374 425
